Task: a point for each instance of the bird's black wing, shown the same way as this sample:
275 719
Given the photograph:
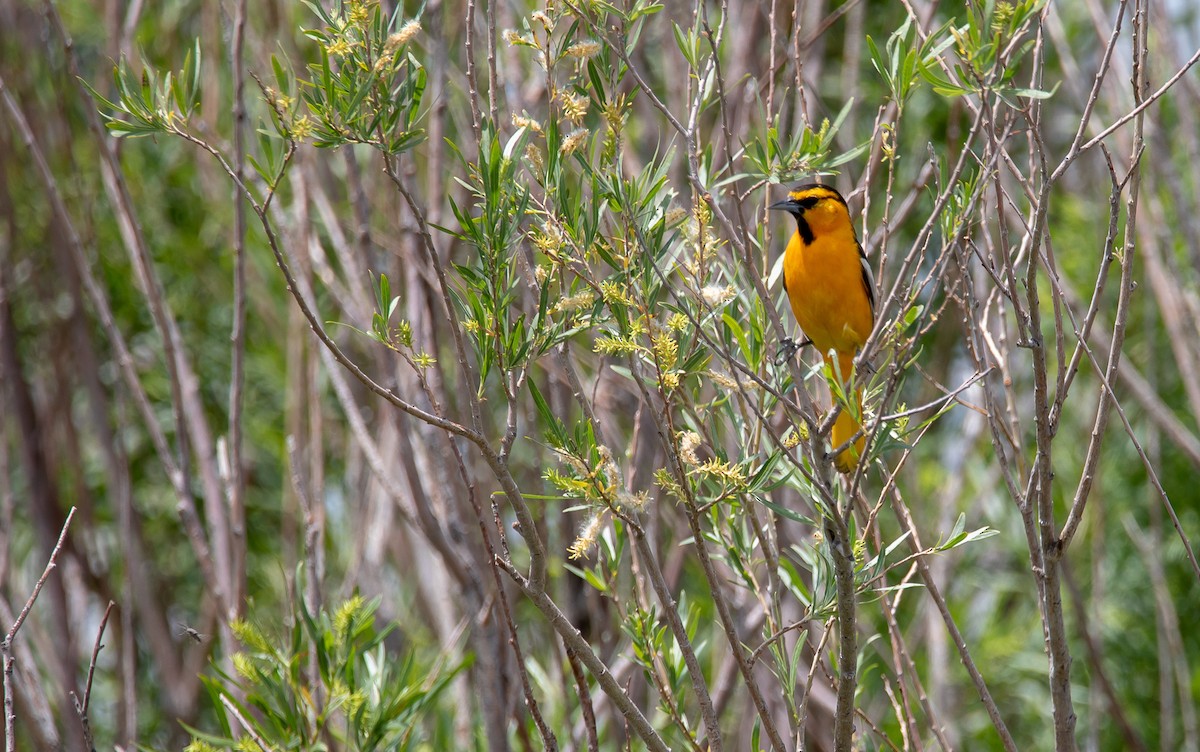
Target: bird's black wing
868 279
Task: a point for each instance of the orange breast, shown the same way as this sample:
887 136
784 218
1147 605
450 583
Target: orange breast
825 286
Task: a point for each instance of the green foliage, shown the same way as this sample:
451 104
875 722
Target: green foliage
505 337
159 103
991 46
329 682
781 158
366 87
900 62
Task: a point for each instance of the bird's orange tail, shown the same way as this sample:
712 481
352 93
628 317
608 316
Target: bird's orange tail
846 424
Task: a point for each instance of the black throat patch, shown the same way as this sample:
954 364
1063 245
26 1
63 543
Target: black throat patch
806 233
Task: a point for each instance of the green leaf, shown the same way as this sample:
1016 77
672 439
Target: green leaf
591 577
597 83
786 512
1036 93
554 427
762 480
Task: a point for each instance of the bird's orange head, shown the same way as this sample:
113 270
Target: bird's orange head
817 209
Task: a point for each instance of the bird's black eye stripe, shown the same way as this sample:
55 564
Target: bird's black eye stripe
808 202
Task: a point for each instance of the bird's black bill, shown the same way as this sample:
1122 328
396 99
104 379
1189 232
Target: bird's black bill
785 205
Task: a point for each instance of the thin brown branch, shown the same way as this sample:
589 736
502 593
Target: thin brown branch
585 699
81 706
37 588
1095 656
245 724
6 645
574 640
472 75
906 522
87 691
837 535
1104 401
1129 116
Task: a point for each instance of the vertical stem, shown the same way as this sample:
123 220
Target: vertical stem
234 488
10 716
838 536
745 666
671 613
493 85
1038 510
472 76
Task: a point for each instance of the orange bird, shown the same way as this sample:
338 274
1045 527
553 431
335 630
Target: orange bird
832 293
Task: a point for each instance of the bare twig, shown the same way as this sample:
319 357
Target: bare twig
571 636
818 651
87 691
1095 656
585 699
6 646
472 76
81 707
1127 117
246 725
914 541
37 588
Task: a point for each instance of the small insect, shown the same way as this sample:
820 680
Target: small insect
196 636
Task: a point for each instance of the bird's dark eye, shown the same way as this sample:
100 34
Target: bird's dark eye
807 203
